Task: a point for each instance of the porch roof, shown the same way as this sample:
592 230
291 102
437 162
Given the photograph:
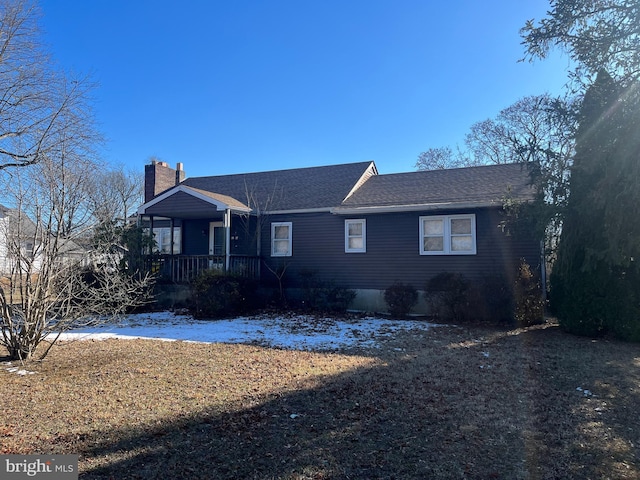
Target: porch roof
183 201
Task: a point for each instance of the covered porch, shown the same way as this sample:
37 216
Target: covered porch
183 268
195 230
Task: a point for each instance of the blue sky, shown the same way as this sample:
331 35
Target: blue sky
240 86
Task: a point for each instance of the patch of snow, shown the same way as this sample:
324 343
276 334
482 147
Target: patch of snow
299 332
19 371
585 392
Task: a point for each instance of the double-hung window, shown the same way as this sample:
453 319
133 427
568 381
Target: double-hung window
448 235
355 236
281 239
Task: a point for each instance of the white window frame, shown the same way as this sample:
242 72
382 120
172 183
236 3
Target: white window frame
162 237
447 235
347 237
275 253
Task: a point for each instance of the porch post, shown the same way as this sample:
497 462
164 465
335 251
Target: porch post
150 252
259 241
151 217
171 232
227 238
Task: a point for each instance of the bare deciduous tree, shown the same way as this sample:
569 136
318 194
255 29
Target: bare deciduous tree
116 193
537 131
533 129
36 100
50 284
263 201
439 158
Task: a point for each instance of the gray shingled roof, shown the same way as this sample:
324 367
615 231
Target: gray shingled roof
295 189
463 186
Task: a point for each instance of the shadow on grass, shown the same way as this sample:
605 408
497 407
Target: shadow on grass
480 406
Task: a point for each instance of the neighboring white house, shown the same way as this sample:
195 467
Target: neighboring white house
20 238
4 226
9 243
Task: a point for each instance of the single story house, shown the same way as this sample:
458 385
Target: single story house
347 224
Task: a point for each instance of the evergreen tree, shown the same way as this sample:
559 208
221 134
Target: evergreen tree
595 287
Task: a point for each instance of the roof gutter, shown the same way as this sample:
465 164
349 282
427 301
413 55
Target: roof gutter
300 210
413 208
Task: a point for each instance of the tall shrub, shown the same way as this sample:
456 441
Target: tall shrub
529 302
448 295
324 296
400 299
492 300
215 294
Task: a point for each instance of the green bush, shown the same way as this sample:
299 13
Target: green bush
492 300
335 299
400 299
624 313
215 294
598 302
529 302
453 297
577 298
323 296
448 296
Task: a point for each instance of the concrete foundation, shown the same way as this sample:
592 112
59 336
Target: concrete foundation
370 300
367 300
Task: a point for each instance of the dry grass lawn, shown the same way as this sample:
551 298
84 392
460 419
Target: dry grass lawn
447 403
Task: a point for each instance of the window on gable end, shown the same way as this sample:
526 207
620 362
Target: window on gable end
448 235
355 236
281 239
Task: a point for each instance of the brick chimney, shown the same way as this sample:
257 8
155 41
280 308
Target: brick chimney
159 176
180 173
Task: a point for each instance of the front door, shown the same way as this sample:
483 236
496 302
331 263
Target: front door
216 245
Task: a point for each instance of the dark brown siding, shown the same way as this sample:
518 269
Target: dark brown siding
393 250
